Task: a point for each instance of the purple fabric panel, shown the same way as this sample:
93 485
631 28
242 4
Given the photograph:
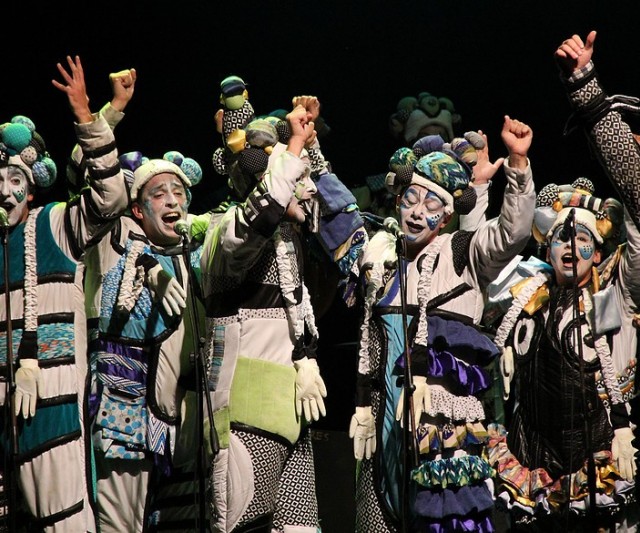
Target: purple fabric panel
119 371
120 349
462 339
476 525
471 378
460 501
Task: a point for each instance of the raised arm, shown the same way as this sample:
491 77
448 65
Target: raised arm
611 136
234 242
613 141
498 240
122 87
483 172
92 214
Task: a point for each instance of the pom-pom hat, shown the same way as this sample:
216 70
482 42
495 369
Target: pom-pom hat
187 169
23 147
443 168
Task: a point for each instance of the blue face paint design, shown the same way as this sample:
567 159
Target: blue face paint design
421 213
586 251
433 221
560 255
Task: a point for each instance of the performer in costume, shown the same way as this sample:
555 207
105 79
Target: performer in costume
136 287
261 326
542 461
446 273
49 328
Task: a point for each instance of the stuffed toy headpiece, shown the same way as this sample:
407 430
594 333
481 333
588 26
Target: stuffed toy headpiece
23 147
248 142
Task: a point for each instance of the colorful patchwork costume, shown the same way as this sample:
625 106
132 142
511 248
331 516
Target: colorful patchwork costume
47 306
139 357
546 442
450 488
261 329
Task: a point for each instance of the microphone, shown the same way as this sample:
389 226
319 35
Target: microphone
182 227
4 218
565 232
391 225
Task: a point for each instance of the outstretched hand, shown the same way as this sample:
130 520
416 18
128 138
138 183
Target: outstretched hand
122 86
517 137
573 54
484 169
75 88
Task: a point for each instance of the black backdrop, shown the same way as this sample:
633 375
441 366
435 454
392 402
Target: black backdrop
491 57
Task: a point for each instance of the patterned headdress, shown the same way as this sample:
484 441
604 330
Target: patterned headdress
248 142
603 218
23 147
443 168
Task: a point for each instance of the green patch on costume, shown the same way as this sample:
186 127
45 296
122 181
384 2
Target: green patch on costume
222 423
263 396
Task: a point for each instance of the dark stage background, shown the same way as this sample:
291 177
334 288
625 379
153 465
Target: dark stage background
490 57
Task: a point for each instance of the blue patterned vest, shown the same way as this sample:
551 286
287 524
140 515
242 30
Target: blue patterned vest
124 359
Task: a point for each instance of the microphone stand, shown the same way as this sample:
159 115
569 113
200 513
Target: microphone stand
410 451
11 471
202 389
591 467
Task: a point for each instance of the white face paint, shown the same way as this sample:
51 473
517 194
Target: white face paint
422 215
14 194
161 203
560 255
297 209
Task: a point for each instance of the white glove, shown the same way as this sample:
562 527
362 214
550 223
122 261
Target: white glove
310 389
507 369
28 383
421 400
362 430
623 452
165 288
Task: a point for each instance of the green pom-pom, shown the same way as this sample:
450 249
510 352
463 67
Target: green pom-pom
44 172
16 136
175 157
26 121
192 170
402 157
